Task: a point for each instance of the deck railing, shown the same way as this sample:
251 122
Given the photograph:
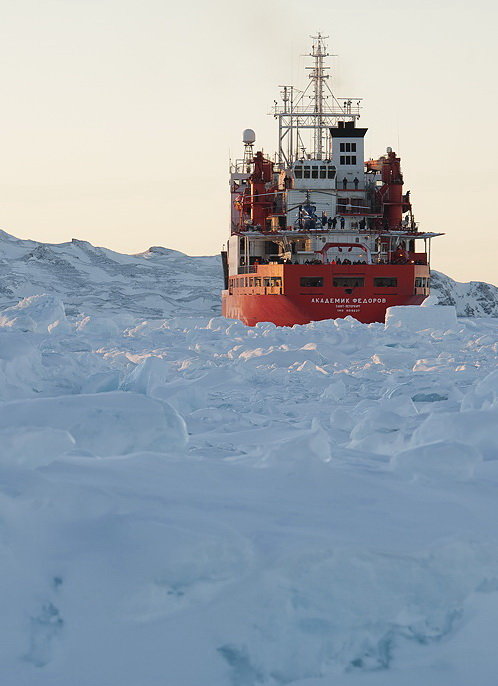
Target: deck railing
414 258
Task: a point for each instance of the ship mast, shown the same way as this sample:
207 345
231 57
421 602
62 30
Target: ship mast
313 110
318 77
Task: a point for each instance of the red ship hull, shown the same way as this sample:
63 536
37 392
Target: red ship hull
290 303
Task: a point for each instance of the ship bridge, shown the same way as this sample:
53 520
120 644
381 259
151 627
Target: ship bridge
314 174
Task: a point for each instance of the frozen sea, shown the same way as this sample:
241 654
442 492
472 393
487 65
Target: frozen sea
186 501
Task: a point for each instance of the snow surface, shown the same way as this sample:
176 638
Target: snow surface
186 501
474 299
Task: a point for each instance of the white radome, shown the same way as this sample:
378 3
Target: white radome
248 136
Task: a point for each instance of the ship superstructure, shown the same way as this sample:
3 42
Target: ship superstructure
318 232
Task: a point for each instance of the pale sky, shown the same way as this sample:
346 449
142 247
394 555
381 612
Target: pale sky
118 116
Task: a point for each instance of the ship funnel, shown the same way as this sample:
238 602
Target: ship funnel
248 137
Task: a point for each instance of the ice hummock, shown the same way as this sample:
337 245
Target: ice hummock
417 318
186 500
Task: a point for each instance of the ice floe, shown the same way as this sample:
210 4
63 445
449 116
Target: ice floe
186 500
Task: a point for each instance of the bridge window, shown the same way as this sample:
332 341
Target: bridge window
298 172
386 282
314 172
272 281
349 281
331 172
306 172
323 172
347 147
311 281
421 282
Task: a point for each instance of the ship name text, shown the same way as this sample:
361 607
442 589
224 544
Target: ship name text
347 301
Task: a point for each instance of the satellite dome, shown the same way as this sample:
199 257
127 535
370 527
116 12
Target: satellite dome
248 136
